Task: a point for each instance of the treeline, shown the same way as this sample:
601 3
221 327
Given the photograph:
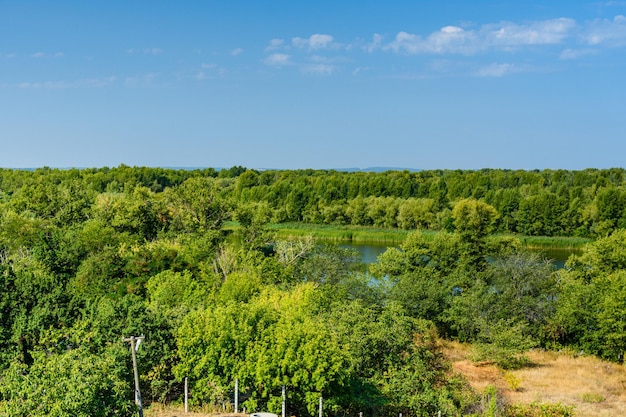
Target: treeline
584 203
88 257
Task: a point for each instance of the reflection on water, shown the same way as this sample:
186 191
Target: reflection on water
369 252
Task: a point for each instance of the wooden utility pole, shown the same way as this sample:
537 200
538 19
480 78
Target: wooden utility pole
133 350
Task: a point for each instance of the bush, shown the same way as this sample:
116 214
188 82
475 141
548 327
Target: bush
539 410
504 343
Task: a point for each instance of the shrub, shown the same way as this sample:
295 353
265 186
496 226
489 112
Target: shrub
539 410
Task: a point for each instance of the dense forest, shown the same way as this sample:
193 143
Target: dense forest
90 256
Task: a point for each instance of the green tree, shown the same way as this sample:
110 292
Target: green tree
590 306
417 214
72 383
473 222
197 206
272 340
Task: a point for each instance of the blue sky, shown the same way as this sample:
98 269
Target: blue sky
324 84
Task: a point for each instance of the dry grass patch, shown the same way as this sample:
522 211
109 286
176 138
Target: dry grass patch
158 410
594 387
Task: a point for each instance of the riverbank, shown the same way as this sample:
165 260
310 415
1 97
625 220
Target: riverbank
394 237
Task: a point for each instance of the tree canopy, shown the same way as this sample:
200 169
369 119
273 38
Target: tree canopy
88 257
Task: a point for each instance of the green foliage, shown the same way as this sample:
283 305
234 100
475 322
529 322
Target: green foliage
592 397
197 206
31 300
537 409
270 341
503 342
90 256
417 214
590 312
137 214
514 382
174 294
491 404
72 383
253 218
473 222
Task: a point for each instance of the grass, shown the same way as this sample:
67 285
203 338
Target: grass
363 234
594 387
556 242
160 410
592 397
336 233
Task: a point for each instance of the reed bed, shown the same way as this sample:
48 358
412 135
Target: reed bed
394 237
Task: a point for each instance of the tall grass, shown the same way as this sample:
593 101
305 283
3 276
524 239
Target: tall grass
364 234
336 233
556 242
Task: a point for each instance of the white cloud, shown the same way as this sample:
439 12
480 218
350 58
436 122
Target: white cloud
606 32
376 43
576 53
145 51
449 39
315 41
143 80
278 60
209 71
327 60
318 69
505 35
613 3
236 51
496 70
545 32
360 70
80 83
95 82
39 55
274 44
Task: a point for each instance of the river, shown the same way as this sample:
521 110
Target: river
369 252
